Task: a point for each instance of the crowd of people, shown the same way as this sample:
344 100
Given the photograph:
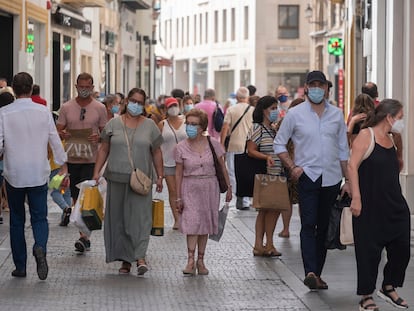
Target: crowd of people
185 140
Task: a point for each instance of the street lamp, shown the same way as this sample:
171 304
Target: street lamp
309 14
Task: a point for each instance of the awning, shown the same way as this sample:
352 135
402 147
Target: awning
161 52
136 4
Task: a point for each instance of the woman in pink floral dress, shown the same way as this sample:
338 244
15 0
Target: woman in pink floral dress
197 183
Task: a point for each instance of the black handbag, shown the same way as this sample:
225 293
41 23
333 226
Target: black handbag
332 236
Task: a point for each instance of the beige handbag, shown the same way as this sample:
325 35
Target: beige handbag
139 181
271 192
346 235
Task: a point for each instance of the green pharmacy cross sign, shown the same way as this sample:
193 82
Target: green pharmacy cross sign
335 46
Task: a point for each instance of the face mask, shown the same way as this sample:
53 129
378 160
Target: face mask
173 111
84 93
115 109
135 109
282 98
187 108
273 115
316 95
191 130
398 126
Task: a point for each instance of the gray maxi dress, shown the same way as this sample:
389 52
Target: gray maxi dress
128 215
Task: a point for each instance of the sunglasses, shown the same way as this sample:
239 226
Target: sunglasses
82 114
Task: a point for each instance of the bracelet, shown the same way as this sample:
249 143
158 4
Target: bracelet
160 177
346 180
178 200
292 167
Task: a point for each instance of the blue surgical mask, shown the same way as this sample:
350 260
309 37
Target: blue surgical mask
316 95
282 98
135 109
191 130
115 109
187 108
273 115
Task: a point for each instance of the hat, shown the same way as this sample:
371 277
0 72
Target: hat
170 101
232 95
316 76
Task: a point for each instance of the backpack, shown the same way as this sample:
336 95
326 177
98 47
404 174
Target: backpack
218 118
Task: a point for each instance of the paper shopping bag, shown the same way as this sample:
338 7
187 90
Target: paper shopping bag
92 208
157 217
271 192
346 235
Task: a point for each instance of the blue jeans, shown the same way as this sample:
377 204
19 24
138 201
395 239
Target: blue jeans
37 197
62 200
315 204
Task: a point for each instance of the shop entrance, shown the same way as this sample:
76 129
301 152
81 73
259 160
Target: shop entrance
6 50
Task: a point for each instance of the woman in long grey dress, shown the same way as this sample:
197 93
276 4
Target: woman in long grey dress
128 215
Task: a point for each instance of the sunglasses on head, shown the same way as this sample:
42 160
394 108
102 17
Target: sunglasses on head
82 114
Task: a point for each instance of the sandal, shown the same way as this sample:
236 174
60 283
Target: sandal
368 307
190 268
141 267
125 268
259 251
270 251
385 294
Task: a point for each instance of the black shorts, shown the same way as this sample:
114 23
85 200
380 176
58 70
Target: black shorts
78 173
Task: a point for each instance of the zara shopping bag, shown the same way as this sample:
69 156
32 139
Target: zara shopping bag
271 192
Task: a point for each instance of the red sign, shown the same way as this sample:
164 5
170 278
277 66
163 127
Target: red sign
341 89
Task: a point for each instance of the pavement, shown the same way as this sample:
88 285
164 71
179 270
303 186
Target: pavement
237 279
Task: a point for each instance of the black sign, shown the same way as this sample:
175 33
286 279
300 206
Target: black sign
87 29
68 21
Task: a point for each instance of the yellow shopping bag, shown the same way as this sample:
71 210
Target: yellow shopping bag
157 217
92 208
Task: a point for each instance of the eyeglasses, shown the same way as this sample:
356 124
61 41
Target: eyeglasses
82 114
194 124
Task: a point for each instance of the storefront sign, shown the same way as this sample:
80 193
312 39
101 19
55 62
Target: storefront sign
68 19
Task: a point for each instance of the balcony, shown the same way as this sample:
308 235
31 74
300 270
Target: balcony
136 4
85 3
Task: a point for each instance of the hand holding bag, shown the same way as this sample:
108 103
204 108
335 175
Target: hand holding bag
219 170
271 192
139 181
221 223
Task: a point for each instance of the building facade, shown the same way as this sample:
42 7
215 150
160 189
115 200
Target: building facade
228 44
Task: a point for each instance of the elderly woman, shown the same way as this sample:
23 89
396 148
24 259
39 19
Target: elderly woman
128 215
112 106
199 189
381 214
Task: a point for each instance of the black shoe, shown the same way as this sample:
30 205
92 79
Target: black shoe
42 268
18 274
82 245
66 215
1 220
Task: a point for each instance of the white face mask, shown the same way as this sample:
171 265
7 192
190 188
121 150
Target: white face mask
398 126
173 111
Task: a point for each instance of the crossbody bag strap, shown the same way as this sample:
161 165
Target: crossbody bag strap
172 129
128 145
213 151
238 121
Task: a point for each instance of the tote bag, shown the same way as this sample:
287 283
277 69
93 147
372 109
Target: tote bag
271 192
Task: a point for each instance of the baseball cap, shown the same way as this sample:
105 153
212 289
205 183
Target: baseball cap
316 76
170 101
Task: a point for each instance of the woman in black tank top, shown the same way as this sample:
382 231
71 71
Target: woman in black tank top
381 214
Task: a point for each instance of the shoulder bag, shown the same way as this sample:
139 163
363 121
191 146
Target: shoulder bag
139 181
227 140
219 170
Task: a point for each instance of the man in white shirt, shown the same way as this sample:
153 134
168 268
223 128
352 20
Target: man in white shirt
25 132
237 123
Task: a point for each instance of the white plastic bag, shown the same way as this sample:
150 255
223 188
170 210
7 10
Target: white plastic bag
221 223
76 215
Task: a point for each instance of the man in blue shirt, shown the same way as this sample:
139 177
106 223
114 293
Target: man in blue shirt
318 132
